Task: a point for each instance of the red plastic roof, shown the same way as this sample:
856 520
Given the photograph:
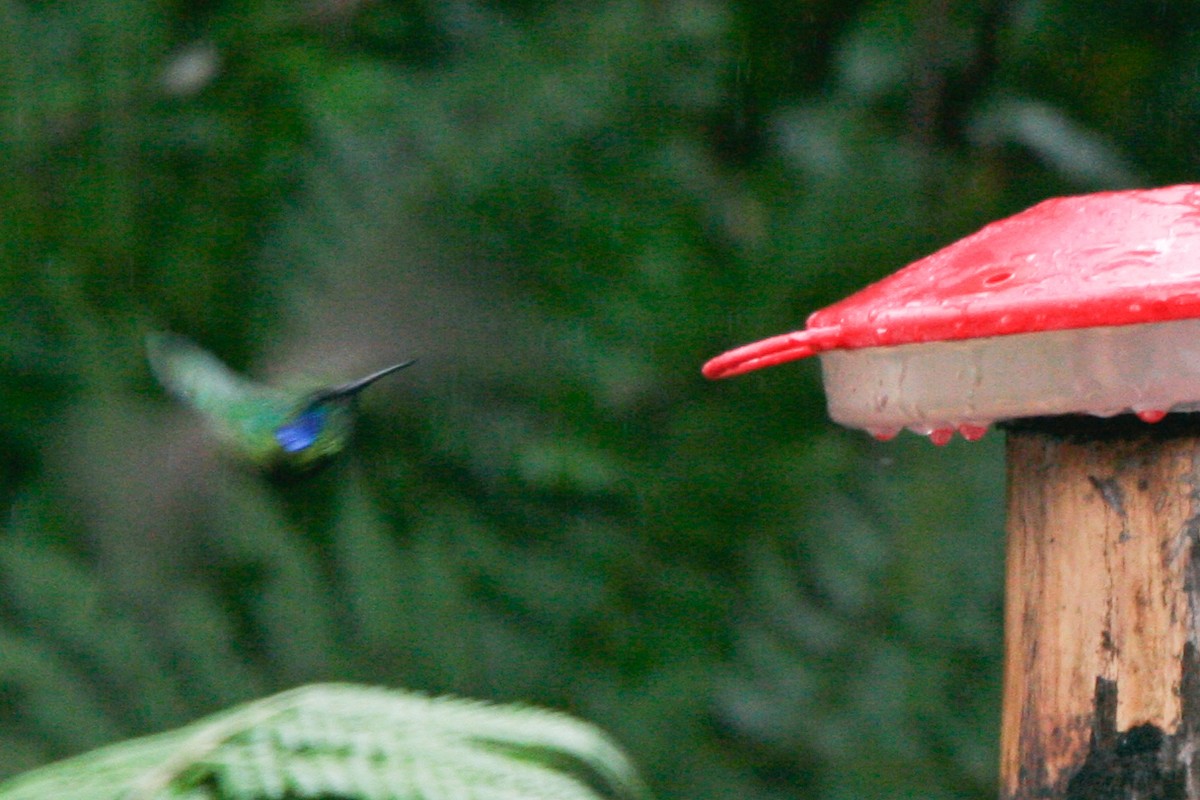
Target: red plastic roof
1111 258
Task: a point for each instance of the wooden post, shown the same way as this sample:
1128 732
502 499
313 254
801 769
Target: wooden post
1102 667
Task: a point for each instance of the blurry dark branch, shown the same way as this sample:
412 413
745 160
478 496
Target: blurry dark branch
943 94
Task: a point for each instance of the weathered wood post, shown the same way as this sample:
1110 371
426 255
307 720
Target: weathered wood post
1077 324
1102 673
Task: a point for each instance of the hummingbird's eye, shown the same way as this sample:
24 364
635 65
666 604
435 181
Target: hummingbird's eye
301 432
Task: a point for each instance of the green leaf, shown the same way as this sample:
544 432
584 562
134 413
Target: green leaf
346 742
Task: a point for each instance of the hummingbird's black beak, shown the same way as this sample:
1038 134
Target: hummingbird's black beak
354 387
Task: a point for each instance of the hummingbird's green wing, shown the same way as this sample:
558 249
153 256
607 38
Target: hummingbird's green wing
194 375
242 413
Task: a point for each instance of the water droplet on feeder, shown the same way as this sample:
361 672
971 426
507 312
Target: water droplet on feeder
941 436
972 432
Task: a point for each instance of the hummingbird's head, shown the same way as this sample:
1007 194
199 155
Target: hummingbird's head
320 426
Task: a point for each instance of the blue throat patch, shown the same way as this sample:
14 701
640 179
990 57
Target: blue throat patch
301 432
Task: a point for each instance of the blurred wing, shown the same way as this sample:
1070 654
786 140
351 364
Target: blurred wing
195 376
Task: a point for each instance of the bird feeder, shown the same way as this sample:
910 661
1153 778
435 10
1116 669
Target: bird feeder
1076 325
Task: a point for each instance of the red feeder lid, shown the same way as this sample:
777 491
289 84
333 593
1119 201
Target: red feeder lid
1097 260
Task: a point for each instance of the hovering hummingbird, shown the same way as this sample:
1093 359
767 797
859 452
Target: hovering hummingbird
275 429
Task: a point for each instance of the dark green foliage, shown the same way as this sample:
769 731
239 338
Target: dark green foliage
562 209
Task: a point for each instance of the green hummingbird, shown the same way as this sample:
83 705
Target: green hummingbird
278 430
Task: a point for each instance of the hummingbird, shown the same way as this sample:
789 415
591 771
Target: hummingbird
278 430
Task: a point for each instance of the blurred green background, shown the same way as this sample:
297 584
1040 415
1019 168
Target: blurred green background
562 209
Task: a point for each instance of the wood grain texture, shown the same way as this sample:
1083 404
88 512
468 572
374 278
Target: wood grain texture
1100 686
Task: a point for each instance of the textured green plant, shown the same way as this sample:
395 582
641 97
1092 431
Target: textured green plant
346 742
